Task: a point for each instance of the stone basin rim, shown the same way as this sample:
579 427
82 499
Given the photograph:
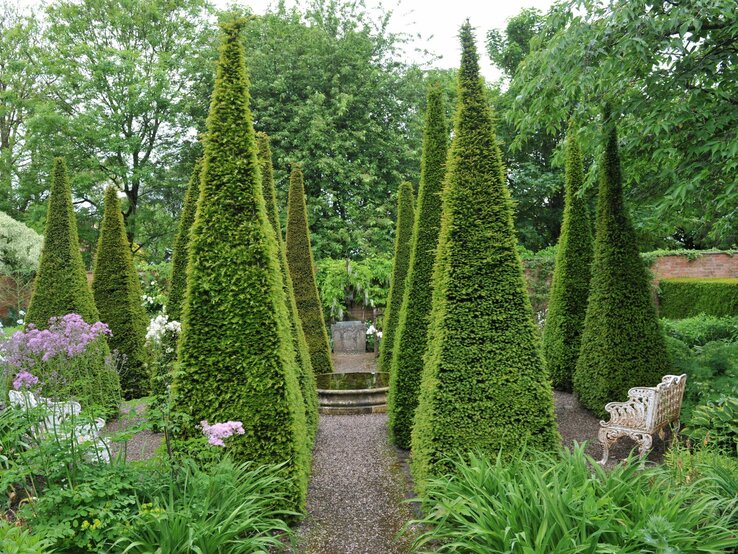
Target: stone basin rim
353 391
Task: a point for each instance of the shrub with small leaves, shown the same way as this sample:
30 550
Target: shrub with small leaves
716 424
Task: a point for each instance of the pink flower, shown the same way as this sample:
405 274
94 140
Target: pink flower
216 433
24 379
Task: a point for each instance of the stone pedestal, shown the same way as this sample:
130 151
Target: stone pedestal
349 337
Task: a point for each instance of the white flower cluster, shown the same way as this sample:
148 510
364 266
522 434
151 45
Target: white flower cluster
148 299
159 326
372 329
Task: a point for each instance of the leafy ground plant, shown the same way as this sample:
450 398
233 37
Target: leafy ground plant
569 504
16 540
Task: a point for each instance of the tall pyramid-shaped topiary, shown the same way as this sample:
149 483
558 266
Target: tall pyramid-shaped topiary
403 242
567 304
236 357
117 291
411 337
306 375
622 343
61 285
180 255
302 270
484 385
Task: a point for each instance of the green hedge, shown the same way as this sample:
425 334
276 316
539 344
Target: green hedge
687 297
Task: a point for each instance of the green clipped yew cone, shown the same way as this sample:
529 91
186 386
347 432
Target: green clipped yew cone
117 292
484 385
622 343
306 375
302 270
567 305
236 356
61 285
412 329
403 241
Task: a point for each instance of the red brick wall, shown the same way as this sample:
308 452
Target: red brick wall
704 266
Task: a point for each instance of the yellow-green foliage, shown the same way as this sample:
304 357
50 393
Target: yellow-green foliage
412 329
687 297
570 286
61 285
236 356
484 385
302 270
117 291
180 255
401 263
622 343
306 376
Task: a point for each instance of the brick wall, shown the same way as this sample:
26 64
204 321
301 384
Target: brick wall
704 266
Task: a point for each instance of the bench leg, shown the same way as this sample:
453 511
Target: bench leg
645 440
608 437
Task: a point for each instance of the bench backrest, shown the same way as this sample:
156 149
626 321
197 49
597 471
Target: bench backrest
669 395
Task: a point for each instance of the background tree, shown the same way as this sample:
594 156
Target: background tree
20 250
302 270
484 384
117 292
412 328
567 305
61 285
236 354
401 263
622 343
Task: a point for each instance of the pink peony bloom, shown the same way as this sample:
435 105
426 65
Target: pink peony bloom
216 433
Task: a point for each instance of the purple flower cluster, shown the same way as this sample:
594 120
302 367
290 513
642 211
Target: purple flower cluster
66 336
216 433
24 379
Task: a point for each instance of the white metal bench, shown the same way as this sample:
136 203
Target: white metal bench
647 411
56 416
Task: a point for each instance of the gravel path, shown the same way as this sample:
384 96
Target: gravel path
357 489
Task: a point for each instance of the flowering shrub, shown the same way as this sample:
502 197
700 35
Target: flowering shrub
219 431
69 360
161 340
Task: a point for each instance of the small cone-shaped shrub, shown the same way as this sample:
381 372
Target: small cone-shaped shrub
180 255
117 291
567 304
61 285
484 385
306 375
622 343
236 357
403 242
302 270
412 329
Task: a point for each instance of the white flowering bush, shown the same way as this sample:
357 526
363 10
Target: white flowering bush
20 250
161 340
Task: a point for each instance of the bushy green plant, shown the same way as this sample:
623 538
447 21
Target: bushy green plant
484 383
622 343
342 282
302 270
154 279
236 357
686 297
567 306
306 374
412 328
17 540
61 285
117 291
568 503
715 423
701 329
401 264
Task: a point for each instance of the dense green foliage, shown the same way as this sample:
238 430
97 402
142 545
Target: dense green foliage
484 384
714 424
61 285
622 343
180 252
566 504
302 270
20 250
344 283
701 329
686 297
400 266
117 292
236 355
412 328
306 375
567 304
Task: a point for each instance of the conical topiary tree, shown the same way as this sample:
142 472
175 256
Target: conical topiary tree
411 337
180 254
235 355
567 304
484 385
61 285
306 375
622 343
117 292
302 270
403 242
